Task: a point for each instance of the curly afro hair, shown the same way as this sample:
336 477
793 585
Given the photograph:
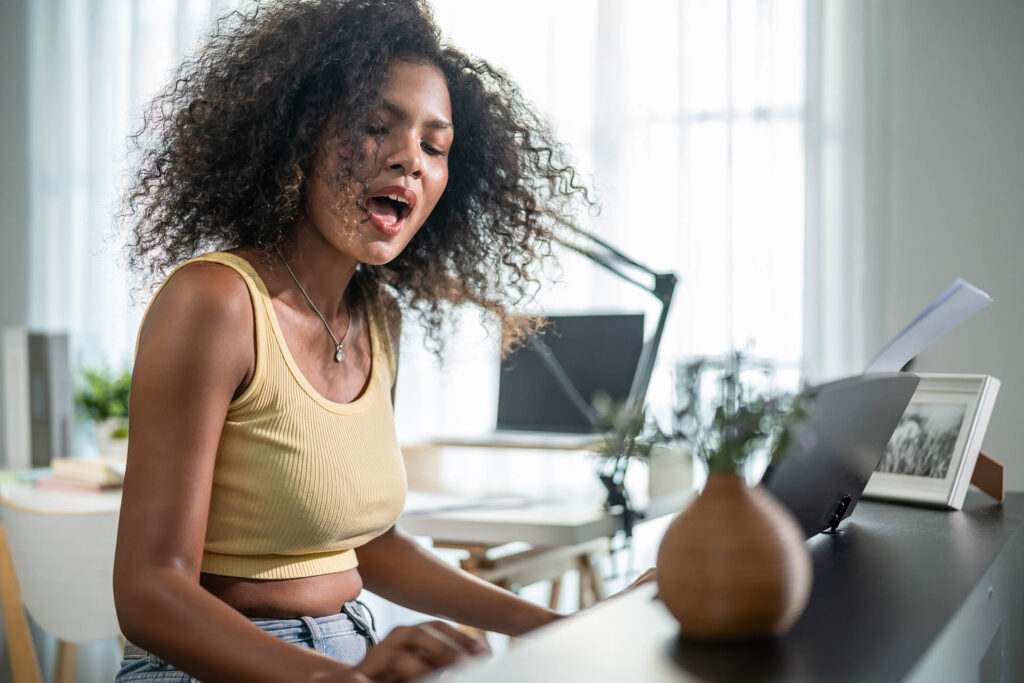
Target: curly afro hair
227 146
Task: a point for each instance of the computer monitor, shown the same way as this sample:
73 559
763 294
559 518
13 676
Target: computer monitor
599 354
824 470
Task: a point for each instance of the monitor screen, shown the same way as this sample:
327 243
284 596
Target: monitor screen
599 354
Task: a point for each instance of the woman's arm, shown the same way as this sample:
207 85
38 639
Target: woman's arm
397 568
192 360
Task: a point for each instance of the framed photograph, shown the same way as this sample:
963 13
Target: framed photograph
931 455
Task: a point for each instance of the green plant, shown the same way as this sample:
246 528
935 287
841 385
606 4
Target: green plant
624 434
103 394
735 419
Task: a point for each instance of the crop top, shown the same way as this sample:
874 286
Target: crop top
299 481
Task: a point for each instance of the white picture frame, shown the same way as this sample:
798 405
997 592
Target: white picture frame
931 456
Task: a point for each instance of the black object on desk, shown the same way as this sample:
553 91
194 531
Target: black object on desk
824 470
901 593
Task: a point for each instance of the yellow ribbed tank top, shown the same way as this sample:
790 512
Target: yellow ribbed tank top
299 481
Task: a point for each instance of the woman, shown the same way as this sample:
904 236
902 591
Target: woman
349 168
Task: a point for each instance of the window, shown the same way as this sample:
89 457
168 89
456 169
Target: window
689 117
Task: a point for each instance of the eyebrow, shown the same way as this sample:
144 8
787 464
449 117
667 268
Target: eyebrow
439 124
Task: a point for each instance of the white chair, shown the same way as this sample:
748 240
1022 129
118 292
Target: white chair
61 547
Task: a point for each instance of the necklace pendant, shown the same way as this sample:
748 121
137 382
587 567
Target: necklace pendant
339 354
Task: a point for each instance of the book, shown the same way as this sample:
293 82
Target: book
101 471
59 484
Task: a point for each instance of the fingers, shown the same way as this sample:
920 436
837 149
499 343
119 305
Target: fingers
649 575
356 677
468 643
405 666
410 652
433 646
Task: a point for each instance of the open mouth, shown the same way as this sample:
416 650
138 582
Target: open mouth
389 209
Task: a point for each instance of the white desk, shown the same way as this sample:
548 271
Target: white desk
566 507
539 524
546 524
52 500
563 535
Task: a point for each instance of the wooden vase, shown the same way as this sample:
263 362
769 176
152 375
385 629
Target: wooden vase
734 565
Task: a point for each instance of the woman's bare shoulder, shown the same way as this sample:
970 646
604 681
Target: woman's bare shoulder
206 308
205 286
203 292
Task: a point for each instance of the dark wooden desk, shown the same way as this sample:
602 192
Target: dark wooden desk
902 593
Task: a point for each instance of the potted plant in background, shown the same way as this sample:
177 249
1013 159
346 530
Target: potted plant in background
103 399
734 564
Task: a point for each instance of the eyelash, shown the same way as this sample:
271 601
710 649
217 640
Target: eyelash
432 151
381 131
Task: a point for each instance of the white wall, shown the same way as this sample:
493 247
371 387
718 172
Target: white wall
952 117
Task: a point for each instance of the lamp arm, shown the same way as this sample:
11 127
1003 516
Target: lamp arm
613 268
663 288
564 383
645 367
591 254
613 260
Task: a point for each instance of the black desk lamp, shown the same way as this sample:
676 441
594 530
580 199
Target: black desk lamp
662 286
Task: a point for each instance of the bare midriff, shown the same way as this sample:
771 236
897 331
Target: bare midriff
309 596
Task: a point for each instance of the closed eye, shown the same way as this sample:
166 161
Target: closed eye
432 151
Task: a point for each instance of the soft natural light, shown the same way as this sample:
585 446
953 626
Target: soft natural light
687 118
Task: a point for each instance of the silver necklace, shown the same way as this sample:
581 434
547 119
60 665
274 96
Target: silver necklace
339 353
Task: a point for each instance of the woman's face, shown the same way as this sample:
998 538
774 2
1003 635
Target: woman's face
405 161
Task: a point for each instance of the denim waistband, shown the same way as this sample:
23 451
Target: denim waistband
332 625
354 616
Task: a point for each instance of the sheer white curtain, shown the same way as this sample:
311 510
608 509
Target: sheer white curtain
847 184
94 64
688 116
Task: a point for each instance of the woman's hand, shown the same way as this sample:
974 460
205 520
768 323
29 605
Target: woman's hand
649 575
410 652
397 568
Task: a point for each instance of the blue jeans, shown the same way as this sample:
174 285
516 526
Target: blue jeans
345 636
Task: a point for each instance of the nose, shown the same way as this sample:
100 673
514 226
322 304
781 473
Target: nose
405 155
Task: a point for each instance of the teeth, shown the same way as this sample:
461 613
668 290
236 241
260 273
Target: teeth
396 198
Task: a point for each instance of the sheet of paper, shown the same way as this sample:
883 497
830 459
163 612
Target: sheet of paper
954 306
